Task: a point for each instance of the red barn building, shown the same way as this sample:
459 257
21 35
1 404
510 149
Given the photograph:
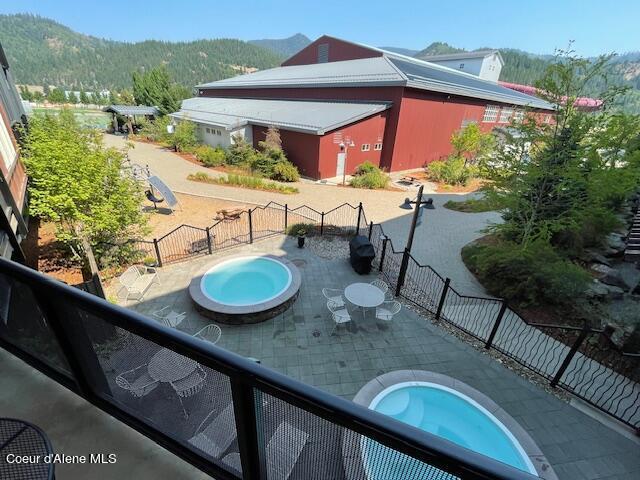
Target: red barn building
337 99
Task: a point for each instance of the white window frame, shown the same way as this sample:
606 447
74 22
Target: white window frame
365 147
518 116
7 148
377 146
547 118
490 113
505 115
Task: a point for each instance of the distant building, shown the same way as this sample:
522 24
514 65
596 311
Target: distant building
339 103
486 64
13 178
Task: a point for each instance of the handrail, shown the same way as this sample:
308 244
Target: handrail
424 446
184 225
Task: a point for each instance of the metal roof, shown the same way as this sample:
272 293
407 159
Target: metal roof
460 55
297 115
390 69
132 110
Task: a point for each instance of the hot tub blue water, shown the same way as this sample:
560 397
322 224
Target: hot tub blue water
246 281
449 414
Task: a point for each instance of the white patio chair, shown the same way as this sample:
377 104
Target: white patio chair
384 286
189 385
283 450
169 318
214 437
387 311
334 295
137 383
136 280
210 333
339 314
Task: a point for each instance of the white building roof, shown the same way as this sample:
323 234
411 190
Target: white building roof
390 69
304 116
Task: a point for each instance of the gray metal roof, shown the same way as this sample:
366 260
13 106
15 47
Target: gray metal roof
390 69
132 110
298 115
460 55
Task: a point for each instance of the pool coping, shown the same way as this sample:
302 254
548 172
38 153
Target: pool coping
376 386
201 300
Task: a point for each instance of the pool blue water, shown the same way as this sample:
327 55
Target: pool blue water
246 281
449 416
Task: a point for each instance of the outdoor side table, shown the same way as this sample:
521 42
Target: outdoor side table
364 295
23 438
169 366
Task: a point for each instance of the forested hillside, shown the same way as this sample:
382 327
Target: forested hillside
42 51
285 47
527 68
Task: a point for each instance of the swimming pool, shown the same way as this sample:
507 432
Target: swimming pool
445 412
245 289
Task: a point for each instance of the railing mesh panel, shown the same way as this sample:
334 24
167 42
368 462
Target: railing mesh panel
313 448
185 241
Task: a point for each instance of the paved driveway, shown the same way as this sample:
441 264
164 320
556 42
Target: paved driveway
438 240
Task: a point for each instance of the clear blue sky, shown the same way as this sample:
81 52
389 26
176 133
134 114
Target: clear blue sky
537 26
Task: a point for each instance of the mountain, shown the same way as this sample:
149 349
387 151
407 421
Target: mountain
438 48
43 51
402 51
285 47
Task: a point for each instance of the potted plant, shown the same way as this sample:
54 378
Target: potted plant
301 236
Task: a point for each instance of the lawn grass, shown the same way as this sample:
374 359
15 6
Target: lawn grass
253 183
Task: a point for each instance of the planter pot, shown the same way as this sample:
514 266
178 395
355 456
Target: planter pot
301 241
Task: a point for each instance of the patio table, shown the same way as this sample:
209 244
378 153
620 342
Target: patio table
364 295
23 438
169 366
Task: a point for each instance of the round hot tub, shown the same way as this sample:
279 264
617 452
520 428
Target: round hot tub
246 289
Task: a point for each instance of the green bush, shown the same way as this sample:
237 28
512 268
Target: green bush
526 276
184 138
240 153
451 171
367 175
285 172
297 228
156 130
210 156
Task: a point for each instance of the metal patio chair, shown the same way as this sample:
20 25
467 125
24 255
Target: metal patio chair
169 318
384 286
210 333
339 314
136 383
388 310
334 295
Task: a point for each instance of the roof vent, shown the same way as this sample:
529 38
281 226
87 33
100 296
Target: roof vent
323 53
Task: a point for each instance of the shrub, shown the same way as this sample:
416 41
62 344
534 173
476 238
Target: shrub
367 175
156 130
240 153
210 156
451 171
255 183
286 172
527 276
184 138
297 228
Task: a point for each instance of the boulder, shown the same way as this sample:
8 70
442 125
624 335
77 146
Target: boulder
592 256
616 242
601 291
609 276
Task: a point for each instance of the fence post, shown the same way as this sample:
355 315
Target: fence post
567 360
403 271
209 240
157 249
443 296
250 228
359 218
249 440
370 229
384 250
496 325
321 223
286 217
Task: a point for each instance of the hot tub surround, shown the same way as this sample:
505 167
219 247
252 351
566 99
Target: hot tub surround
238 314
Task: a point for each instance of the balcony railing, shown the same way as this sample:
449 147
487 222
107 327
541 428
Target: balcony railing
241 409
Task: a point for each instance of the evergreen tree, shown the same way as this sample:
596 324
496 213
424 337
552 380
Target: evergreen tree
56 96
84 98
155 88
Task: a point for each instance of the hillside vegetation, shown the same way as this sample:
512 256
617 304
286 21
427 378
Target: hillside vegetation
284 47
43 51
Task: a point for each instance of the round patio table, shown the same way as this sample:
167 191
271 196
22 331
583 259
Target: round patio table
169 366
18 437
364 295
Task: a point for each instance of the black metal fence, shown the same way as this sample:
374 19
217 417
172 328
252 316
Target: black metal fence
580 360
240 420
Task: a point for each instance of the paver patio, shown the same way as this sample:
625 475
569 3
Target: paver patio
297 344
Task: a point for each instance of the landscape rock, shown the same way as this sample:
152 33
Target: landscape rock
596 257
609 276
616 242
601 291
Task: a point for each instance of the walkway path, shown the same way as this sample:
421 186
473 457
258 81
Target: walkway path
438 240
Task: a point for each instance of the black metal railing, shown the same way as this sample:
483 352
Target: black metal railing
244 421
580 360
